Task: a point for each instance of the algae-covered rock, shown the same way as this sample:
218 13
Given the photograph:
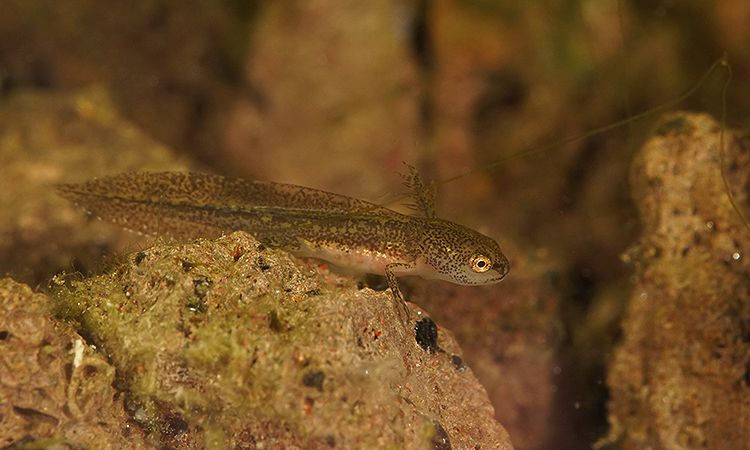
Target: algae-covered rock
227 344
681 377
54 389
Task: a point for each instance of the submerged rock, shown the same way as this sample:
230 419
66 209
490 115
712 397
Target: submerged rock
56 391
227 344
681 377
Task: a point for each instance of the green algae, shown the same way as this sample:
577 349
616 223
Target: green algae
148 310
221 343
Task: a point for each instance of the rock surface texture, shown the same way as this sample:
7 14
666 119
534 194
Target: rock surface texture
681 377
227 344
55 391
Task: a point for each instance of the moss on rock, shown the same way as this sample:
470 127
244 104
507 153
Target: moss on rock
227 344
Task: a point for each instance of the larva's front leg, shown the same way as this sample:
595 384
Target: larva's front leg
392 281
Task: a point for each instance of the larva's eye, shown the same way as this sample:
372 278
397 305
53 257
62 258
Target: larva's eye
481 263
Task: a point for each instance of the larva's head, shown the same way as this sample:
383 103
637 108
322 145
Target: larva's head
460 255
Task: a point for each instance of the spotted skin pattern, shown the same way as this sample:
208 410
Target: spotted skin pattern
308 222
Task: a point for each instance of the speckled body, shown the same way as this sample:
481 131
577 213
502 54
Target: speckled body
306 221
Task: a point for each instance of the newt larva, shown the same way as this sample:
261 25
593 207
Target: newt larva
308 222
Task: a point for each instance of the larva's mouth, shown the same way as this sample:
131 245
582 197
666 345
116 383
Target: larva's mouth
502 268
496 279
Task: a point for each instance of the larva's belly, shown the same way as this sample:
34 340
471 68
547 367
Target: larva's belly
364 259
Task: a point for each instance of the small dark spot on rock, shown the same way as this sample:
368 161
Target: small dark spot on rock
4 335
175 426
201 285
186 266
440 440
262 264
426 334
167 281
139 257
34 416
313 292
120 384
89 371
331 441
196 306
314 379
458 363
274 322
261 248
360 285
